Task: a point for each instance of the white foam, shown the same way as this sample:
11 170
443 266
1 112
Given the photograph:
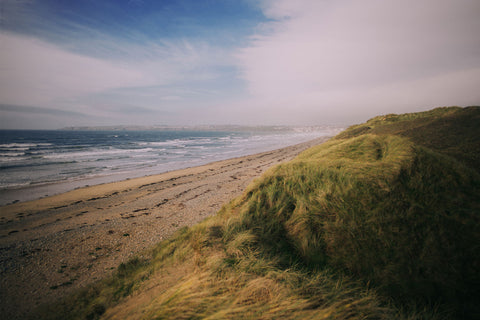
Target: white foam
95 153
11 154
24 145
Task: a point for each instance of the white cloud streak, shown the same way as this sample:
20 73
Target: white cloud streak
34 72
41 74
38 73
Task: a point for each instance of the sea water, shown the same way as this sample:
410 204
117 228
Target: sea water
40 163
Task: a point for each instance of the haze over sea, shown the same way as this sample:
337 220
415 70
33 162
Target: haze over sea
35 164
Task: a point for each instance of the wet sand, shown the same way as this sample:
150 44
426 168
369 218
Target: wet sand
51 246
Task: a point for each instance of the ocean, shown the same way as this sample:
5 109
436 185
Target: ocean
35 164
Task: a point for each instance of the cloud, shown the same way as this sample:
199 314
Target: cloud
37 73
321 54
36 117
38 110
308 62
119 78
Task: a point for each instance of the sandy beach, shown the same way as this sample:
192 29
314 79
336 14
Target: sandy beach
51 246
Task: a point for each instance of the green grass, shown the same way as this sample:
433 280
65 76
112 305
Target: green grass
452 131
380 222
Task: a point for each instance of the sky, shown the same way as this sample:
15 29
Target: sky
250 62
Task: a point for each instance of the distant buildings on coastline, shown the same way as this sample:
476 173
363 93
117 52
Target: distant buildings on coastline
234 128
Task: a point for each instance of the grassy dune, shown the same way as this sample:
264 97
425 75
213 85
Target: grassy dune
380 222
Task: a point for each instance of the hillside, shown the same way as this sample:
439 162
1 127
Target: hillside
380 222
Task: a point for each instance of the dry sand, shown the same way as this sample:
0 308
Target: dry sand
51 246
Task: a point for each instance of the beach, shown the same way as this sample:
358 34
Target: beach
54 245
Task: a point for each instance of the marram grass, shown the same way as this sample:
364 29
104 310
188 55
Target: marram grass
380 222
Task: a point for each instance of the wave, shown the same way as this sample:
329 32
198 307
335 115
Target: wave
24 145
179 143
76 156
11 154
35 165
94 153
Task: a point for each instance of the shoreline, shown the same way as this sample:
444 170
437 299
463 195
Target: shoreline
34 191
33 169
54 245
